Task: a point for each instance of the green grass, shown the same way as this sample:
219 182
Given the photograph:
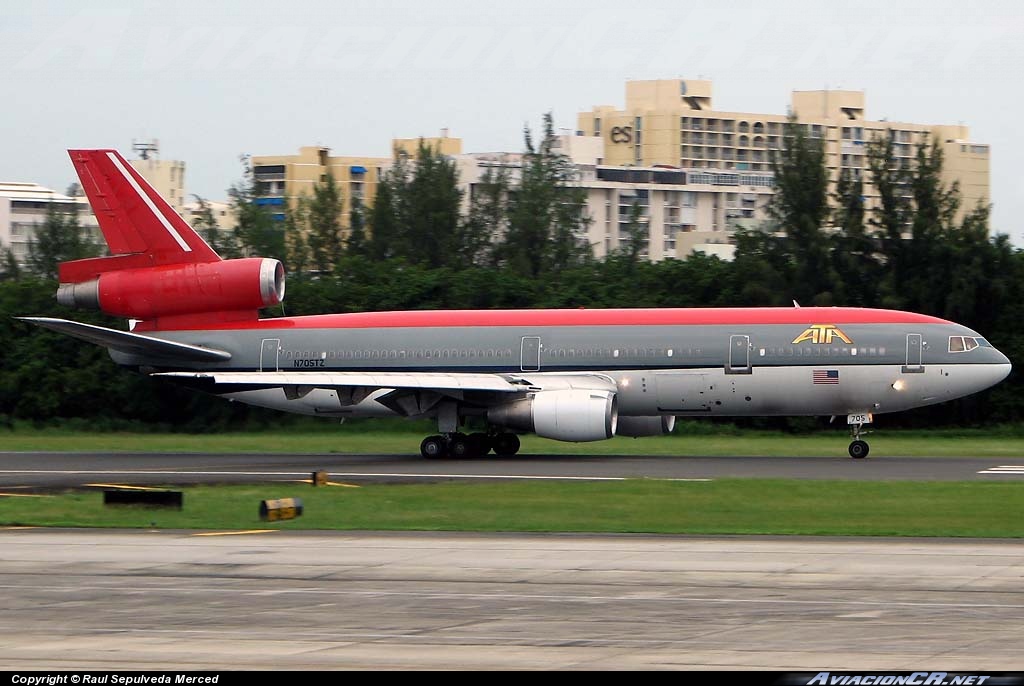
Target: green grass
734 506
343 440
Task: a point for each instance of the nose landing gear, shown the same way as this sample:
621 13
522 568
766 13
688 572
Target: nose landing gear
858 448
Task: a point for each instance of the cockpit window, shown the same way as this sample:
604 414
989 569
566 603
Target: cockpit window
961 344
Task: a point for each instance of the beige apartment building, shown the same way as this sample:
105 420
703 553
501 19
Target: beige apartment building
680 210
283 179
167 177
673 122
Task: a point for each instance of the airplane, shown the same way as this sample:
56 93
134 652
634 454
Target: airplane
569 375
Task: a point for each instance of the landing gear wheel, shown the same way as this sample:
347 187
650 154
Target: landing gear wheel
433 447
481 443
506 445
462 447
859 449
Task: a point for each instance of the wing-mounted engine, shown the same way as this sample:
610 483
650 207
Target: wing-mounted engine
179 295
635 427
564 415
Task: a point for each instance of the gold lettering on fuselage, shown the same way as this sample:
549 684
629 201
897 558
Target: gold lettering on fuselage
822 334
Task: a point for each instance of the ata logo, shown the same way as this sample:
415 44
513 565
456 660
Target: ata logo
823 334
621 134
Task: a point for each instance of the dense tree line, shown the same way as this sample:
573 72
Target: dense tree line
519 246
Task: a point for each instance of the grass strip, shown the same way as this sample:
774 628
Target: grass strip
730 506
386 442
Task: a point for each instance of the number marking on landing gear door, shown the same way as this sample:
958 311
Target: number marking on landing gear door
863 418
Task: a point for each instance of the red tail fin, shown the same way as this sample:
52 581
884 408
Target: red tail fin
140 227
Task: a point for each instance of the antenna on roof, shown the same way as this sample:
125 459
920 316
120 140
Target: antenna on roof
143 148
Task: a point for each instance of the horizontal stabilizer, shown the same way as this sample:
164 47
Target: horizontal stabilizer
435 381
130 343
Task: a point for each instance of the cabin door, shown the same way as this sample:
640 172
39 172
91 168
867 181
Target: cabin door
739 355
270 353
913 365
530 354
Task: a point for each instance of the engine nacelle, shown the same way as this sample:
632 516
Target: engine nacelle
180 289
565 415
645 426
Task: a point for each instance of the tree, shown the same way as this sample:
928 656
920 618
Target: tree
356 243
546 218
223 242
637 236
487 221
10 270
383 222
296 224
854 257
800 207
59 238
323 216
257 232
428 207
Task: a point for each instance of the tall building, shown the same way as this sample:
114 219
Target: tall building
23 209
673 122
283 179
679 210
166 176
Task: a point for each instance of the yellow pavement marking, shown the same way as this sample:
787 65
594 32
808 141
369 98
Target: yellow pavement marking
236 533
25 495
125 487
16 528
328 483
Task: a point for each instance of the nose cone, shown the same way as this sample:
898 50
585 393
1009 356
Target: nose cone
992 374
1005 366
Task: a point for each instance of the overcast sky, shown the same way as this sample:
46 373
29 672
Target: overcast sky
215 79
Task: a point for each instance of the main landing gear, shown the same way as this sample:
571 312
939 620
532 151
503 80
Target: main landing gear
462 446
858 448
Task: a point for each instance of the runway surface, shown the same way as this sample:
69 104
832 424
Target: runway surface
58 470
171 600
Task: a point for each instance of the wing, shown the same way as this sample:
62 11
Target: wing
434 381
130 343
408 393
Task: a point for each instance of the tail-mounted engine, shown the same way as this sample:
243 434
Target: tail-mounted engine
176 295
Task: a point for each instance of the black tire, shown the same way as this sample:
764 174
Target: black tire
859 449
481 443
462 447
506 445
434 448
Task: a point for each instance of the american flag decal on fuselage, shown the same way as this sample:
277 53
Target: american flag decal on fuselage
825 376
